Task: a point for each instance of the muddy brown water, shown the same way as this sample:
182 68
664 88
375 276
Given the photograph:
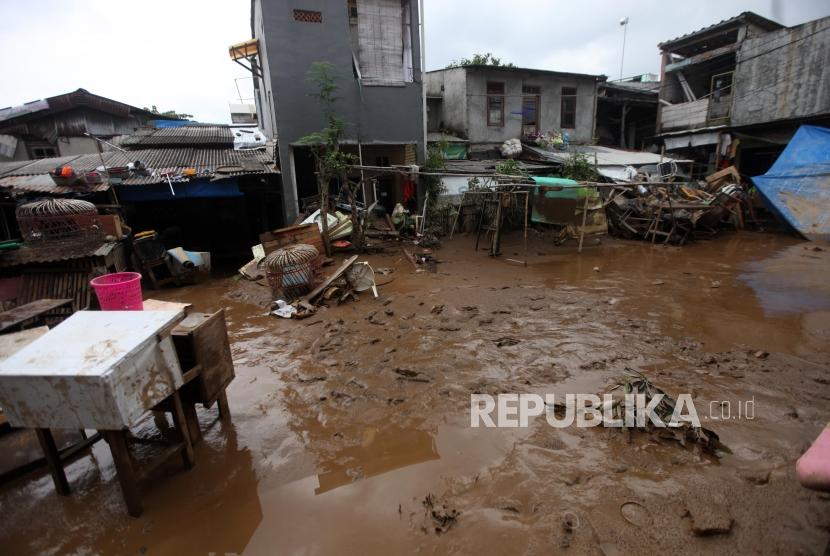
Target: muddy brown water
351 430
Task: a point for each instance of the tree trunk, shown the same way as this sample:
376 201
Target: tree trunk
323 183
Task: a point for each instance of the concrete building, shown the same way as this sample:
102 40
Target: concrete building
375 48
735 92
488 105
56 126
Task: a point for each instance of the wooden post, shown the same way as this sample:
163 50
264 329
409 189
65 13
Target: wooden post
527 204
181 427
117 441
494 247
192 420
584 219
224 409
53 460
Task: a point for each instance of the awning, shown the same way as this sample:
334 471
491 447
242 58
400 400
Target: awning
244 49
195 189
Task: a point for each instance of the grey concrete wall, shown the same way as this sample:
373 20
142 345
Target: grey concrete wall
373 115
550 104
452 85
783 74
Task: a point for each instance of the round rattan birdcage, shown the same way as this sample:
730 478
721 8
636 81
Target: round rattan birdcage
48 222
291 270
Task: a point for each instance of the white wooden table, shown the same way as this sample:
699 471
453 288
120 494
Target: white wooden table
98 370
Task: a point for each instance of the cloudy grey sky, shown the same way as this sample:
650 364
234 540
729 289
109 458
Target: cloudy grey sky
173 53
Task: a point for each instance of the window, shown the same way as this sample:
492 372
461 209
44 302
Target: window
567 119
531 90
36 152
381 35
495 104
308 16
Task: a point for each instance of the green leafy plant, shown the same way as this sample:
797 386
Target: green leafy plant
510 167
480 60
578 167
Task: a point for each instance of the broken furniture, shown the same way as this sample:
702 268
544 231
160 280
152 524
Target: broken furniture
101 370
150 256
30 313
203 349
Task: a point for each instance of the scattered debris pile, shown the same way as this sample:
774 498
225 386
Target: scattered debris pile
677 213
635 382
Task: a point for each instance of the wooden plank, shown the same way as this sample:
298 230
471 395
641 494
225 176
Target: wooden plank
327 282
304 233
32 310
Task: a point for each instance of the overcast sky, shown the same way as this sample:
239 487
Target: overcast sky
173 53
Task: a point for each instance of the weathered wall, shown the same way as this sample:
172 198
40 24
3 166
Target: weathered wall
452 85
783 74
550 104
68 146
373 114
687 115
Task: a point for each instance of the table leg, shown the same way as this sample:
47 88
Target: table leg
224 409
192 419
117 441
53 460
184 434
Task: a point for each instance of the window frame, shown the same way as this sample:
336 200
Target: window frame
491 96
537 99
568 104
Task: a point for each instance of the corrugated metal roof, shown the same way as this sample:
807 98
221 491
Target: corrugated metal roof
213 163
81 97
191 135
761 21
610 162
53 253
42 183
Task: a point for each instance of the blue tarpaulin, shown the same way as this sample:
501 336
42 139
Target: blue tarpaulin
170 123
797 187
184 190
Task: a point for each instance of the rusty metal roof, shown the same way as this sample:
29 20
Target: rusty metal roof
53 253
751 17
189 135
212 163
42 183
67 101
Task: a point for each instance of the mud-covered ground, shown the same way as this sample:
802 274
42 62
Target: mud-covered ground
351 429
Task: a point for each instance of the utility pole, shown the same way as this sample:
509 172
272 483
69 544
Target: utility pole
624 24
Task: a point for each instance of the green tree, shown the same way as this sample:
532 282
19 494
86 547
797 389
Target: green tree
480 60
331 162
169 113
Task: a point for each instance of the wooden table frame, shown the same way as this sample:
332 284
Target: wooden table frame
118 440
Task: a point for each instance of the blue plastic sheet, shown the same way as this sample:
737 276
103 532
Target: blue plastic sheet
797 187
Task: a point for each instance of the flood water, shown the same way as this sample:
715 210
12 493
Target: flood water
351 429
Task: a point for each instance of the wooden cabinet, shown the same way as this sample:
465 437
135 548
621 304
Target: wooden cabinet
201 339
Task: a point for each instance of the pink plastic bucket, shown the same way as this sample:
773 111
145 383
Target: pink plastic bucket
120 291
